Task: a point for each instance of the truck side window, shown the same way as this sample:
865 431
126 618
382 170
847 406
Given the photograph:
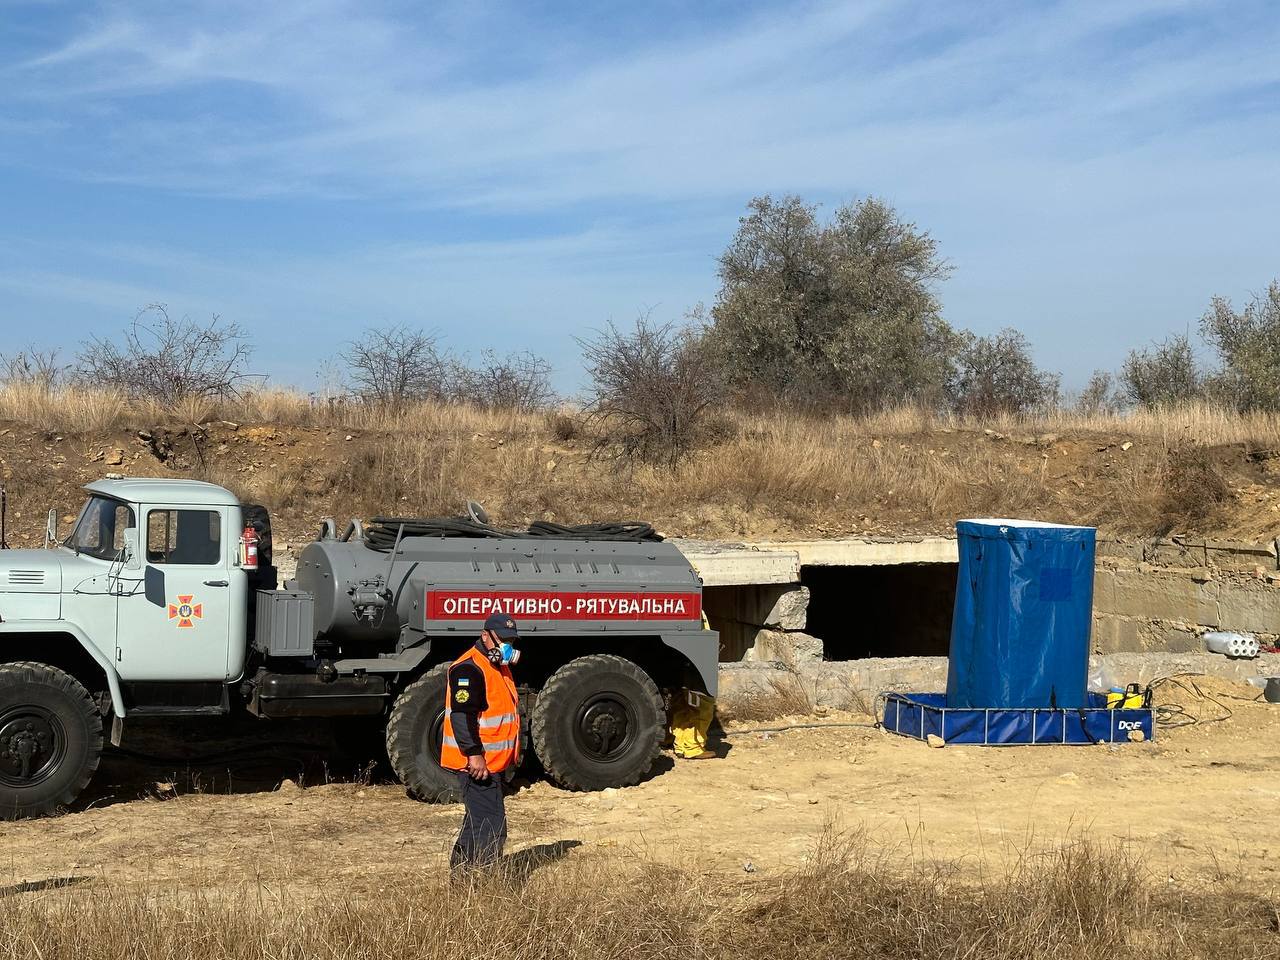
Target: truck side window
100 532
184 536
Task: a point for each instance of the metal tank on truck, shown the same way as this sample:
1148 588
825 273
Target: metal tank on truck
156 605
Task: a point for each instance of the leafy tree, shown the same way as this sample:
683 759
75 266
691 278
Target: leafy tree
840 313
997 375
1164 375
1099 395
1248 343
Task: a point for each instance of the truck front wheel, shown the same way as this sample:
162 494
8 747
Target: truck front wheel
50 739
414 733
598 723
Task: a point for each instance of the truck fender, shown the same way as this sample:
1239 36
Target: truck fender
62 626
702 648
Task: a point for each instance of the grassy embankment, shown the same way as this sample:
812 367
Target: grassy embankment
906 470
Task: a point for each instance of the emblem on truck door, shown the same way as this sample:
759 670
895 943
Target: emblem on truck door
186 611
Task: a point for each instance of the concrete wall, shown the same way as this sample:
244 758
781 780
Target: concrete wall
1163 595
855 684
1149 596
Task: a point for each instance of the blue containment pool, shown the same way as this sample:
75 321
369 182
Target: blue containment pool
1024 606
917 715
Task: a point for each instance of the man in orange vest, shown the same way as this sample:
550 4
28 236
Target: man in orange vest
482 739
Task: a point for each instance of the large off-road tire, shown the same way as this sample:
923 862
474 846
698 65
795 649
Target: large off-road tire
50 739
413 739
598 723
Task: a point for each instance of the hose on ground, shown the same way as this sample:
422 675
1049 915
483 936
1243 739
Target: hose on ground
797 726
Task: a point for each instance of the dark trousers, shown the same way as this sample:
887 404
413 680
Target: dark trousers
484 824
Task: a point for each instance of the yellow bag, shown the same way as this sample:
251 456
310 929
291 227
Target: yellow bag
691 716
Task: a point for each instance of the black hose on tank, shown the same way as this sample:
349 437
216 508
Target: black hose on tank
382 532
630 530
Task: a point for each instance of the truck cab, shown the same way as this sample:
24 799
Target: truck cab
151 571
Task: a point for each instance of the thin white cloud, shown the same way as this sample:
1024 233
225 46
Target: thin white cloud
333 99
1054 149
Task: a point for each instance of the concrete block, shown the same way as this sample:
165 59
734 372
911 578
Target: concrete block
1160 637
1251 608
790 610
868 553
1115 635
785 646
1145 667
1104 590
720 564
1160 596
1177 552
1120 550
1238 555
782 606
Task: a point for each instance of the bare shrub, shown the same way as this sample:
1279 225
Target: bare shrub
396 366
564 425
32 367
169 361
997 375
651 389
1164 375
517 381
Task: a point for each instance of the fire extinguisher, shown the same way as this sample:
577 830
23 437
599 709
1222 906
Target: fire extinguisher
249 548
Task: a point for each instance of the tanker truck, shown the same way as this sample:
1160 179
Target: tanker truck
155 606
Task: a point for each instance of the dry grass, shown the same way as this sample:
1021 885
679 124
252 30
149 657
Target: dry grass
76 410
842 902
780 474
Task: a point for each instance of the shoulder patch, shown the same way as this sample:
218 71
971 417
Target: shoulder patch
462 696
463 682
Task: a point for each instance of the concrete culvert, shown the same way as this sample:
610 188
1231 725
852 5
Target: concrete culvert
899 610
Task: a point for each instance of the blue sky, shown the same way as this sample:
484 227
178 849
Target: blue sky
513 174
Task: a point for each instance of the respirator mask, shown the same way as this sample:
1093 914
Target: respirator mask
503 655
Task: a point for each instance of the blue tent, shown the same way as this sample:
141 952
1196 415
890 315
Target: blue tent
1024 604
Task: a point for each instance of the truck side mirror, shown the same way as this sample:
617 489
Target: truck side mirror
130 546
51 528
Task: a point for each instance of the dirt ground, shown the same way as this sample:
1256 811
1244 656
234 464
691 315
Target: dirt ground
1199 803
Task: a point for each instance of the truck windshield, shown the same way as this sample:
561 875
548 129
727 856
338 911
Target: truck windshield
100 530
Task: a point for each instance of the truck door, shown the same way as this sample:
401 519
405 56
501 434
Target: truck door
174 623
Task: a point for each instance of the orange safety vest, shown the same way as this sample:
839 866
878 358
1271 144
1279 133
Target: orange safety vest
499 721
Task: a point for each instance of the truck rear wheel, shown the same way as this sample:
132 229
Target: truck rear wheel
414 733
598 723
50 739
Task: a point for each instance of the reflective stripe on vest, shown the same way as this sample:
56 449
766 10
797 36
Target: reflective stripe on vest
499 722
488 747
488 723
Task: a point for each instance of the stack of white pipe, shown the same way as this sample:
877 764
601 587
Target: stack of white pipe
1239 646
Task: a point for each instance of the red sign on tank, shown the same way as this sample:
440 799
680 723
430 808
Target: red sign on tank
562 605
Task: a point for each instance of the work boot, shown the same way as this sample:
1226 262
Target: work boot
704 755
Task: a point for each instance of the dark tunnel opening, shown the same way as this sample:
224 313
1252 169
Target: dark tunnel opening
898 610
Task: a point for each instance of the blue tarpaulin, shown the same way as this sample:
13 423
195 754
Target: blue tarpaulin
918 715
1024 602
